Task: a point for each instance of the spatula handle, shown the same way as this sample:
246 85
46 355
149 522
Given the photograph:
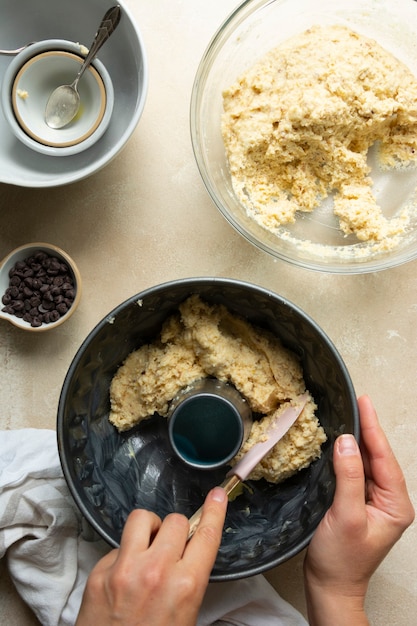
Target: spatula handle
228 485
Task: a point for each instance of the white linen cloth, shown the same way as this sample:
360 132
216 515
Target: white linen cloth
49 560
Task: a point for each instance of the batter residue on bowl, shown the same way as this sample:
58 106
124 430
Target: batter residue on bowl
207 340
298 126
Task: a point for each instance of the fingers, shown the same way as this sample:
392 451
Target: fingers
113 582
202 549
350 481
140 528
171 539
168 539
387 488
147 542
380 460
144 530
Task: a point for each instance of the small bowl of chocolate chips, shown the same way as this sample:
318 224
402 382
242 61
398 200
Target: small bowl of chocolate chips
40 287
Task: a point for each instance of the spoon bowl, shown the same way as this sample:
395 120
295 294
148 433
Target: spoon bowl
64 102
62 106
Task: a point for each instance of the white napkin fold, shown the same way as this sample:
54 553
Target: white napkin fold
49 560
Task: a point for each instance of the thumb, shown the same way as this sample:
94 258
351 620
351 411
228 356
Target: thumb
349 498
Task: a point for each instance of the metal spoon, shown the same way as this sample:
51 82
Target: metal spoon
16 50
64 101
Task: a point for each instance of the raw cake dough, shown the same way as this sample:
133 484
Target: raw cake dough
204 340
298 125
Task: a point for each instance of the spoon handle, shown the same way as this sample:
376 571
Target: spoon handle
16 50
108 24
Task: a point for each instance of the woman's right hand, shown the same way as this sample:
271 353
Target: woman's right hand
157 577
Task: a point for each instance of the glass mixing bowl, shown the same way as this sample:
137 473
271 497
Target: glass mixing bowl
315 240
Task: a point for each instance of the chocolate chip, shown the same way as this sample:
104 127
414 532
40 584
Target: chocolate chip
62 308
45 305
46 317
47 297
54 316
53 267
13 292
18 305
35 301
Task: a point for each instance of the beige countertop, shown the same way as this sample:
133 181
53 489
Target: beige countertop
147 218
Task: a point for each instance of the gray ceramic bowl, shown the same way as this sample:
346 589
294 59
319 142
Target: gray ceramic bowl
123 56
110 473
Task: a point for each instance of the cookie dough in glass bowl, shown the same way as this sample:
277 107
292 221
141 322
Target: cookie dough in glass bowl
243 124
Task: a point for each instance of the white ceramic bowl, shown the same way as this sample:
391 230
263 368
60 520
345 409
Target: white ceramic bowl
28 251
315 241
123 56
29 81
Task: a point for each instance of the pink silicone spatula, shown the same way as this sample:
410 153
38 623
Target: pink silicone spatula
243 468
